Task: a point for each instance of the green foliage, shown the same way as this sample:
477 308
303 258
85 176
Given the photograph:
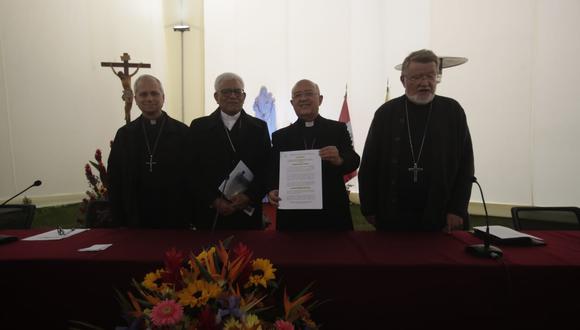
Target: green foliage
52 217
66 215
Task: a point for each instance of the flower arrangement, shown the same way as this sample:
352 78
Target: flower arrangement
219 288
98 184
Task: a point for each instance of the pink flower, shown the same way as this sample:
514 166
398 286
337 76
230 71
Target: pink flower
90 176
98 156
167 312
283 325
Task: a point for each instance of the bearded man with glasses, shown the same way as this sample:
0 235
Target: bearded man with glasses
221 141
417 165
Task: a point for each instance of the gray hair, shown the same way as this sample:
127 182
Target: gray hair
421 56
147 76
316 89
227 76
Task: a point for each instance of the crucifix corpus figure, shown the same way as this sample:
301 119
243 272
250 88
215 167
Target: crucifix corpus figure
126 80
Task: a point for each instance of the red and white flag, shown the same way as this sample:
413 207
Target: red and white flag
345 118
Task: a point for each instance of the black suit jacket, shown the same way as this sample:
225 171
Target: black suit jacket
335 214
214 159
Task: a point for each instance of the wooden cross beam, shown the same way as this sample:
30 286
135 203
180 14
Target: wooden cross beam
126 79
125 64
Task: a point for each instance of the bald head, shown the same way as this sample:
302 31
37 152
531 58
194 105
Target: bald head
305 82
306 99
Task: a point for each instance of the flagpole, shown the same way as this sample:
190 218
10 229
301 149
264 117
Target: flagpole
344 117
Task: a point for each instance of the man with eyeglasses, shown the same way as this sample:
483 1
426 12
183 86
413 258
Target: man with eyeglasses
223 141
417 165
332 139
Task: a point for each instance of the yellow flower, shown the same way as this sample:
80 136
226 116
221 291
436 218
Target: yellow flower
150 280
198 293
232 324
203 255
252 322
309 323
262 272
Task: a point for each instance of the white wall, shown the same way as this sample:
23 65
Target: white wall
494 87
556 104
334 43
519 87
519 92
57 103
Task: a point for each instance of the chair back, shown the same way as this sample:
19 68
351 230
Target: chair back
17 216
546 218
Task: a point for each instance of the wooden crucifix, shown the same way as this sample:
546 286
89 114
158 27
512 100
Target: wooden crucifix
126 80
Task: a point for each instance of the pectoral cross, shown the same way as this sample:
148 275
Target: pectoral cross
415 170
126 80
151 163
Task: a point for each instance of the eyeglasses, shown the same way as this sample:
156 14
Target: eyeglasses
298 95
230 91
419 77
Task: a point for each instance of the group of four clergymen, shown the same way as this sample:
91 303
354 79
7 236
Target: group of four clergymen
415 175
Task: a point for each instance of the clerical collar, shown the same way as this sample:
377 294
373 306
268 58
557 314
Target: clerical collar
229 121
153 122
307 123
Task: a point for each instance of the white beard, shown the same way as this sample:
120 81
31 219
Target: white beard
421 100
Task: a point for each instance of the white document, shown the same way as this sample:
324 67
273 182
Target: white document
300 185
237 182
55 234
95 247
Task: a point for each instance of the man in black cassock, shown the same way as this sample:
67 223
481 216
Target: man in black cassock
219 142
312 131
149 165
417 165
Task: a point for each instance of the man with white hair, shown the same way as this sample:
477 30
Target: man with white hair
417 165
220 141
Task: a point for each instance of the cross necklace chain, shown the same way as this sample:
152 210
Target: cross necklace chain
311 145
149 150
415 169
229 137
308 128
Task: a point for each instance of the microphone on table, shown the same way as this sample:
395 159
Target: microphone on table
485 250
35 184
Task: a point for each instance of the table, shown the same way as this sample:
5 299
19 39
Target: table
374 280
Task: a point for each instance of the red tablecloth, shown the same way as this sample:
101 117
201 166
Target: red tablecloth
374 280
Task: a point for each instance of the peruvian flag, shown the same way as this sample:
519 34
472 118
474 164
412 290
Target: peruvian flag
345 118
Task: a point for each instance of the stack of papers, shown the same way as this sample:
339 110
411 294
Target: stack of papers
505 235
